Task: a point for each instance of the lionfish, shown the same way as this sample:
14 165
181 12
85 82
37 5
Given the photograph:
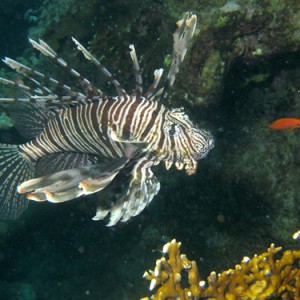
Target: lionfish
70 134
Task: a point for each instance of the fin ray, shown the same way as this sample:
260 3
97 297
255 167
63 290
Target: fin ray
14 170
120 90
31 74
69 184
143 187
182 38
137 73
45 49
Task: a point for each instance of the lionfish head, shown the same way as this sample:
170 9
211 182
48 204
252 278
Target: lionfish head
185 142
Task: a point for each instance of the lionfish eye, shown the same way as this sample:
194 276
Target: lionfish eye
172 130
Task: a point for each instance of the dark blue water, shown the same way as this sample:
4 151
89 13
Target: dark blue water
244 196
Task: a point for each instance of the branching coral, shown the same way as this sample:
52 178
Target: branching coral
265 276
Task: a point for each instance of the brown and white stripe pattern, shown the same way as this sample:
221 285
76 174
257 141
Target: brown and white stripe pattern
87 128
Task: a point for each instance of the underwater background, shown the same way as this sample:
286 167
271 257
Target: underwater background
240 74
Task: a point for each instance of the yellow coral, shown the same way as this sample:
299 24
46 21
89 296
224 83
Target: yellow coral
262 277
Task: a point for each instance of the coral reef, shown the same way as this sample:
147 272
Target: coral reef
243 31
264 276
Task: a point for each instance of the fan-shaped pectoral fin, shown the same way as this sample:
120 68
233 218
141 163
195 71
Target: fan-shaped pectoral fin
73 183
142 188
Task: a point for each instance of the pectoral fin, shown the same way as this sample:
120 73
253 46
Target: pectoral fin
142 188
91 185
73 183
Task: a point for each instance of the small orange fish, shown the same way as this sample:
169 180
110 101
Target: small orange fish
285 123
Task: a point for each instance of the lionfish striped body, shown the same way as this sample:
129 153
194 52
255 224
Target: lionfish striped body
71 134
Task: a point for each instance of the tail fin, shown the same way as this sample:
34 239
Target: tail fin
14 169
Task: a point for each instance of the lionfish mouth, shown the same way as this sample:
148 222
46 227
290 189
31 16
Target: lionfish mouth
202 154
199 156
